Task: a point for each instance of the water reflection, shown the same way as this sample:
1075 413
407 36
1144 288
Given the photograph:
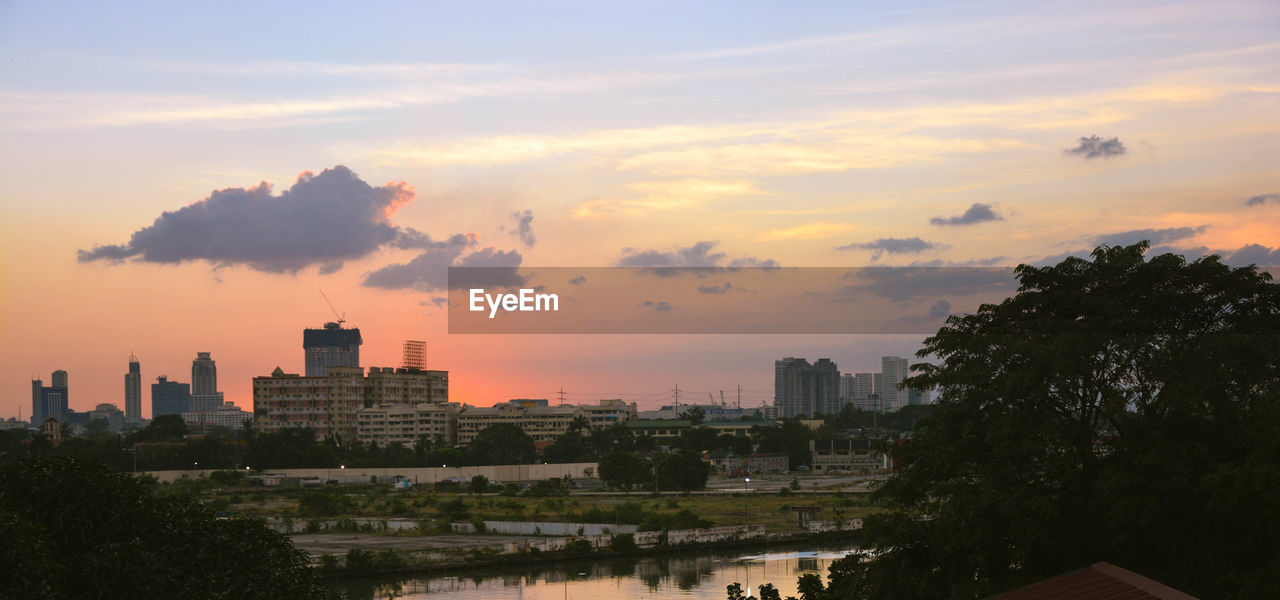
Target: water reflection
682 575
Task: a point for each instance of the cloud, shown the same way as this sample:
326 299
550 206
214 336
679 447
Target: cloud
579 280
1096 147
698 256
808 231
429 271
1261 199
524 227
322 219
645 197
1155 236
715 289
659 306
879 247
902 284
940 309
978 213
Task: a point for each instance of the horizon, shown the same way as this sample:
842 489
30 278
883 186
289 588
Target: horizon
395 143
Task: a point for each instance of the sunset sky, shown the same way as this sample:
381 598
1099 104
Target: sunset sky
397 139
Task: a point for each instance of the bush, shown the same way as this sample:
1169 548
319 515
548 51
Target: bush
479 484
578 547
324 504
329 564
359 561
623 542
510 489
479 525
388 560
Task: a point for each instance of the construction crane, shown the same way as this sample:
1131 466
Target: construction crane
342 317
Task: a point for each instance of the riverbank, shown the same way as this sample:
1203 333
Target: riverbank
389 555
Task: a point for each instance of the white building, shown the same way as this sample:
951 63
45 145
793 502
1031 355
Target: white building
406 424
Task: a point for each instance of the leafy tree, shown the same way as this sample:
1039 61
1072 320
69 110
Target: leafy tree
694 415
1116 409
791 437
682 470
443 457
501 444
76 528
571 446
479 484
624 470
164 428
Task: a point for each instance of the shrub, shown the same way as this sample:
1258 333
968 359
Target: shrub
623 542
578 547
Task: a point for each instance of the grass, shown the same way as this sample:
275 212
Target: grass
772 510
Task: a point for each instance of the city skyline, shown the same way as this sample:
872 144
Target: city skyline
399 142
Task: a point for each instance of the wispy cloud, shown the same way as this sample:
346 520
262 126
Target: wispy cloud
808 231
649 196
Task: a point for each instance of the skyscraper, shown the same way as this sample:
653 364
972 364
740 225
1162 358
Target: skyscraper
805 389
894 369
169 397
204 374
204 384
133 390
332 346
49 401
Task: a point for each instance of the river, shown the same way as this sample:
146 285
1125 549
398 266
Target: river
699 576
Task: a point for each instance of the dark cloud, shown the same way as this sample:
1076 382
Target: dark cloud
902 284
579 280
1096 147
973 262
715 289
978 213
879 247
1252 254
697 256
322 220
1155 236
940 309
659 306
1261 199
524 227
429 271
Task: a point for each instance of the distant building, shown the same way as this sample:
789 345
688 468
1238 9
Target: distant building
329 404
607 412
542 423
406 424
133 391
49 401
169 397
204 374
806 389
111 414
331 346
855 456
894 369
52 429
710 412
863 386
659 429
228 415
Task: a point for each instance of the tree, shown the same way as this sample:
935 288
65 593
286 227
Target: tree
624 470
479 484
683 470
571 446
1118 409
164 428
694 415
75 528
791 437
501 444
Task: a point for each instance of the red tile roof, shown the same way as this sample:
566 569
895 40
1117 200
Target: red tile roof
1099 581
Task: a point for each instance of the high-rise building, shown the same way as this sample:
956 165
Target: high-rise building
204 384
331 346
863 388
49 401
133 391
894 369
169 397
204 374
805 389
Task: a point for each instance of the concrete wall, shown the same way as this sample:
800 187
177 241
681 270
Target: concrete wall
495 473
543 528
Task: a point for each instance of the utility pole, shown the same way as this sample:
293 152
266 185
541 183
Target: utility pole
561 395
675 394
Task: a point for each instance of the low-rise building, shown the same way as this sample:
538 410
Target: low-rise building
607 412
406 424
660 429
542 423
728 463
855 456
228 415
